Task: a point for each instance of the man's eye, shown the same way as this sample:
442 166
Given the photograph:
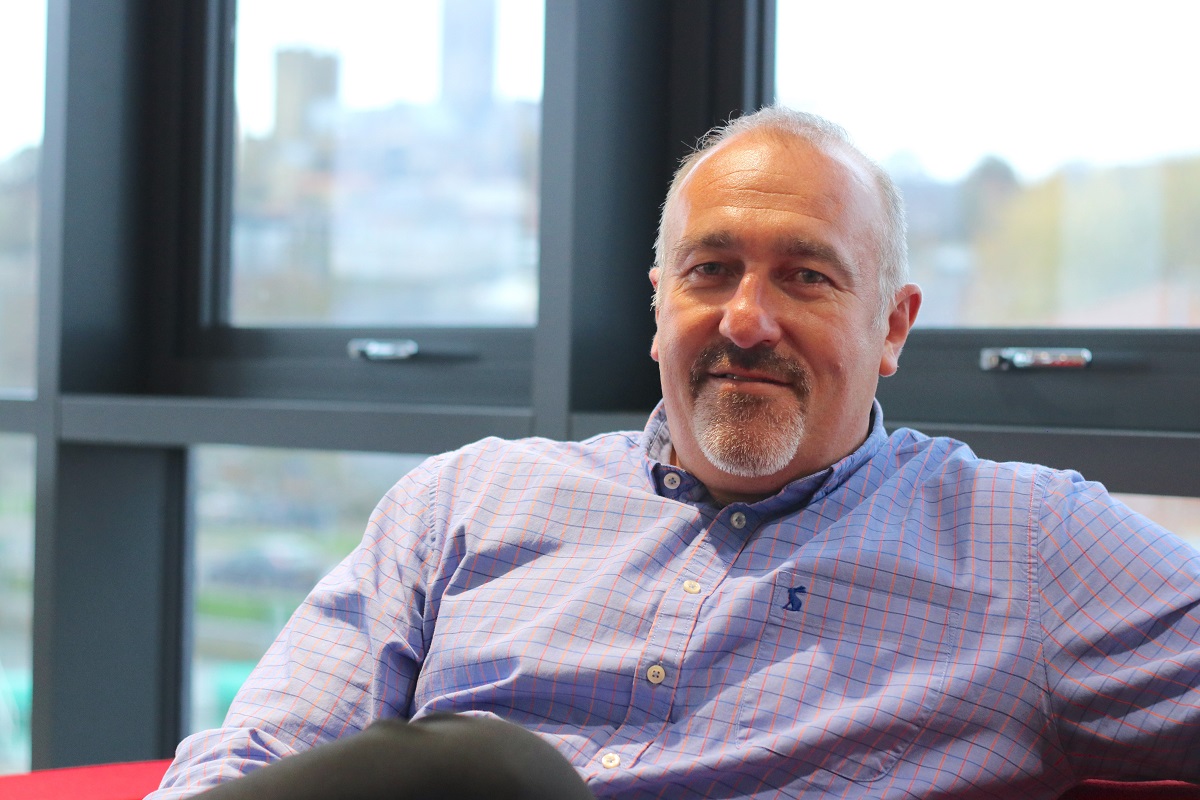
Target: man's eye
810 276
710 270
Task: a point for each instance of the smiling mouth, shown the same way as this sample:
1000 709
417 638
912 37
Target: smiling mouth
729 376
757 367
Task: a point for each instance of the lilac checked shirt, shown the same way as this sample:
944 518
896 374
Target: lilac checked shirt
913 622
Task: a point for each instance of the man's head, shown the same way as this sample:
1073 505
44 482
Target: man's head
780 297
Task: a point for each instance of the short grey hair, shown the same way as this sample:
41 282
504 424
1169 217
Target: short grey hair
891 242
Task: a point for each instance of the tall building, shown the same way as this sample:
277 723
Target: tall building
306 92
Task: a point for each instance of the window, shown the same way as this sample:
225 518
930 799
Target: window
386 173
23 53
269 524
1051 181
16 600
369 224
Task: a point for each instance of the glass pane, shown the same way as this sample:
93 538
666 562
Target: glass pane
387 163
269 524
22 53
16 600
1179 515
1052 179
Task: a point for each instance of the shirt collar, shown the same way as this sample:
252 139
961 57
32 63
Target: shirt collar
655 443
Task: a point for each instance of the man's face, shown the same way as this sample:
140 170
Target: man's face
769 343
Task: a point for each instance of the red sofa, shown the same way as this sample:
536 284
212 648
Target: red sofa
133 781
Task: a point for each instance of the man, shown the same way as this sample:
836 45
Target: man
763 594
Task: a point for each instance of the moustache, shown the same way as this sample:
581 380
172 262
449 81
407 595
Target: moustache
717 357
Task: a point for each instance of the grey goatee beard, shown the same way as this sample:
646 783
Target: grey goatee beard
744 434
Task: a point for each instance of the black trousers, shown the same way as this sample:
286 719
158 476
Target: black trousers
440 756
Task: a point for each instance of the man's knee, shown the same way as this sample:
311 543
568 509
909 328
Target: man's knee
440 756
486 757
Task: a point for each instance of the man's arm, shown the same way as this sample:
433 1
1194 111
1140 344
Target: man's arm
1121 614
349 655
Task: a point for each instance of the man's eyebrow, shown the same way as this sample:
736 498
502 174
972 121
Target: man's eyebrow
718 240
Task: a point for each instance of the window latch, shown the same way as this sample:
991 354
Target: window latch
1000 359
382 349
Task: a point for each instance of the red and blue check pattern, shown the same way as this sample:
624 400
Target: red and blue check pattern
913 622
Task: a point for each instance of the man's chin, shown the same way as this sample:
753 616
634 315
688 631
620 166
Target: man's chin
747 436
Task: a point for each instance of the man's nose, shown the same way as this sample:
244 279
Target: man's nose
749 320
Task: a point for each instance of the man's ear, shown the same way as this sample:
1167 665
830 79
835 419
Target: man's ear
900 319
654 273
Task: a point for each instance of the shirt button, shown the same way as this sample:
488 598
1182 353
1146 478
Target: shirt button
691 587
611 760
738 520
656 674
671 480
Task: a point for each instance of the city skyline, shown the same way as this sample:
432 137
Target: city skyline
1039 96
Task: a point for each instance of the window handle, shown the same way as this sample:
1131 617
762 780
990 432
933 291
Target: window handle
993 359
406 350
382 349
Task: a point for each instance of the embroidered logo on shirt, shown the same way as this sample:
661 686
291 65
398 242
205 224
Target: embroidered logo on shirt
795 599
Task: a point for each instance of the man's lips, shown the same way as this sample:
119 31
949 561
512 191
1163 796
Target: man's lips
758 368
742 377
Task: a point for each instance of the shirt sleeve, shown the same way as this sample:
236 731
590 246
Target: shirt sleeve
349 655
1120 610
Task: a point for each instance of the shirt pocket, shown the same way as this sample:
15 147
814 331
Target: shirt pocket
845 676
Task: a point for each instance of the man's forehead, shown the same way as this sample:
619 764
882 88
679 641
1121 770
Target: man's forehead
783 151
787 156
782 244
832 176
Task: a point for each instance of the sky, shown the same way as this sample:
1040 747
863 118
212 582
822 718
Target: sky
377 41
22 53
1037 82
395 58
941 83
